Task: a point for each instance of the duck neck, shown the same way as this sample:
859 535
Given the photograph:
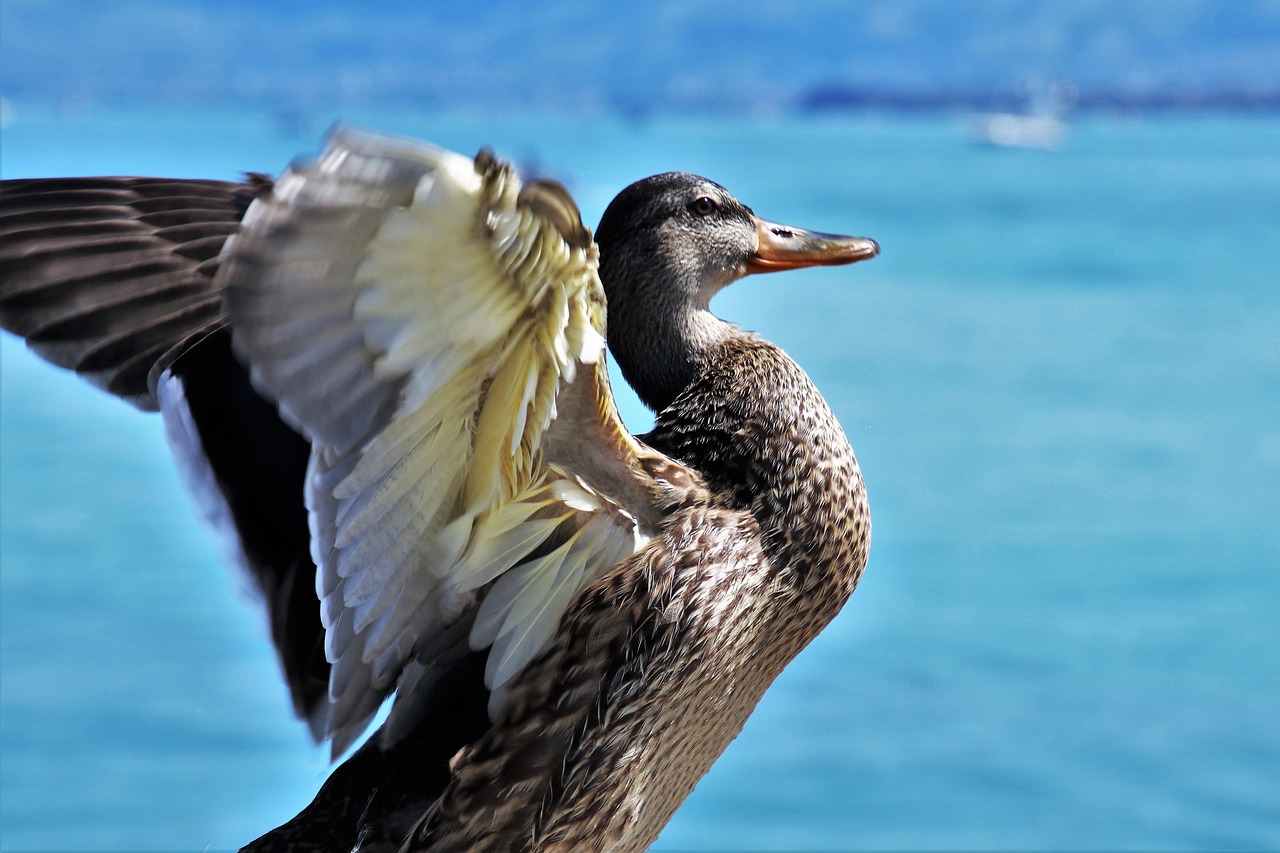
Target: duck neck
661 353
756 429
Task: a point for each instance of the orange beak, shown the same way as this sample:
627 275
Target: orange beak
784 248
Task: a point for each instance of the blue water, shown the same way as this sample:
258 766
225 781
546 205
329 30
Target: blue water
1062 379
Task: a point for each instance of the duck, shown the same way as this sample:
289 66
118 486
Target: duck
383 376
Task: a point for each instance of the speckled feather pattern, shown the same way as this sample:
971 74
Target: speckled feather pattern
661 660
779 453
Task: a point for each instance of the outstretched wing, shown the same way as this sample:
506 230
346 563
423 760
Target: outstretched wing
436 330
110 276
115 278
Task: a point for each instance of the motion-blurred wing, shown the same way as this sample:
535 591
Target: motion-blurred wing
424 321
110 276
115 278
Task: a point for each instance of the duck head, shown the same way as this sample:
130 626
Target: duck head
668 244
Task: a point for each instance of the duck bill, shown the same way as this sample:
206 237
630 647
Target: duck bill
785 248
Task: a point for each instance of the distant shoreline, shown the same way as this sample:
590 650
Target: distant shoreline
824 100
838 98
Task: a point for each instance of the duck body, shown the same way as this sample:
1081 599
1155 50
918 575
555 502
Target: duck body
694 628
662 659
666 654
750 515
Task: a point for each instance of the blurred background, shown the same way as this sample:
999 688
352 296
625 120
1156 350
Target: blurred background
1062 378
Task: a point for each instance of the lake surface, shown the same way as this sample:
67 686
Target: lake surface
1062 379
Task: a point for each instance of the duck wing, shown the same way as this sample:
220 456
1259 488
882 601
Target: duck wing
435 329
110 276
115 278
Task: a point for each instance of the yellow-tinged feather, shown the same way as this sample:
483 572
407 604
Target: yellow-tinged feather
528 601
575 496
502 551
513 596
446 341
492 477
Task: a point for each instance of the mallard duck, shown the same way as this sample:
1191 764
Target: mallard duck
575 621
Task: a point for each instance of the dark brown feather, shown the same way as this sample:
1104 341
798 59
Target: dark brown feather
105 275
114 278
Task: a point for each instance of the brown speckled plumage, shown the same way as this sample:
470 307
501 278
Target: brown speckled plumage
664 657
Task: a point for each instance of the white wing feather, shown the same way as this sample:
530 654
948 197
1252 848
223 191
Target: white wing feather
416 320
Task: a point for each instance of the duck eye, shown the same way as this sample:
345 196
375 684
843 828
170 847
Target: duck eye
704 206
